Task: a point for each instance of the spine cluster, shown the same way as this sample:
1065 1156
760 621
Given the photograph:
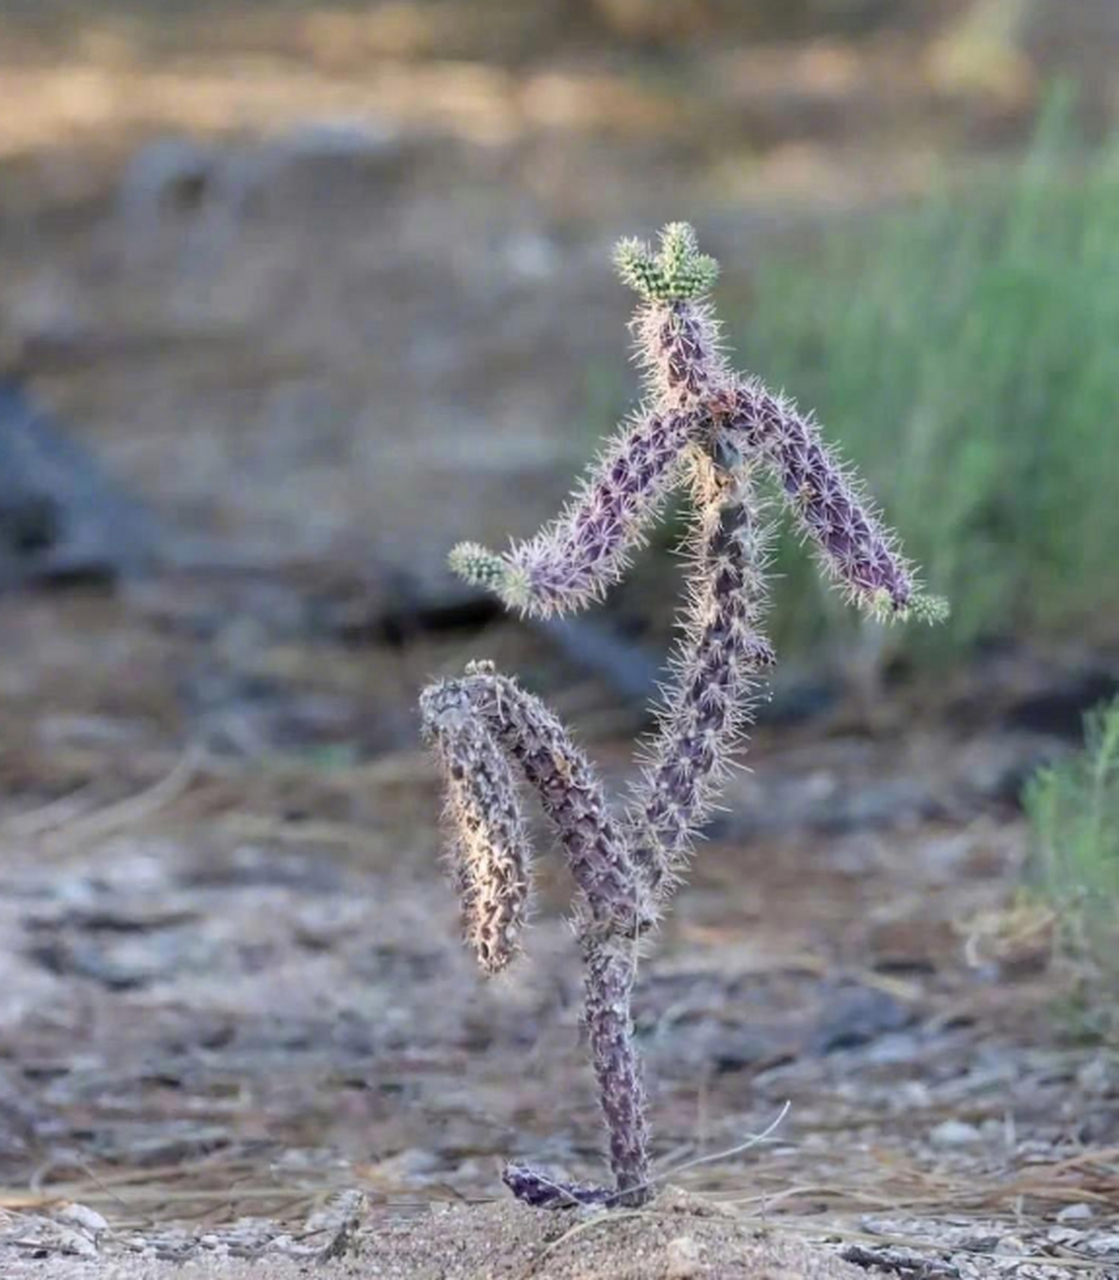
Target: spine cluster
718 433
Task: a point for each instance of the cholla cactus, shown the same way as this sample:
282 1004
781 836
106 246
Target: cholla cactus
707 427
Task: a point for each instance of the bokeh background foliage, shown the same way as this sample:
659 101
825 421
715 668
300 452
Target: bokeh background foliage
1073 807
965 351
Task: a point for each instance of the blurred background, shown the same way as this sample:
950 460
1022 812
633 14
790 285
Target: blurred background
295 295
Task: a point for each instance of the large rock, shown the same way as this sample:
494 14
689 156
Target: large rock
61 516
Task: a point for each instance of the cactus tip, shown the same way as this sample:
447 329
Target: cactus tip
678 272
477 565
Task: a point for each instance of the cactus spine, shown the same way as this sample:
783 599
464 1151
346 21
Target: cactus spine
717 432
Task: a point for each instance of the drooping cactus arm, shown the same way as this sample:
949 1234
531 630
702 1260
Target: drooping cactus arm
573 561
678 345
571 796
857 551
490 854
475 722
716 670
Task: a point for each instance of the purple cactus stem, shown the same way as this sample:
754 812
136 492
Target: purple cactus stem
613 897
536 1188
610 969
609 976
717 668
679 347
707 426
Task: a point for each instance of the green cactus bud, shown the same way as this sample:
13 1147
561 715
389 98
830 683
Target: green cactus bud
637 267
478 565
678 273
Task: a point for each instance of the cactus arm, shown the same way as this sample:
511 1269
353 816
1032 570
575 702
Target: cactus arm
572 562
475 722
571 796
856 550
490 855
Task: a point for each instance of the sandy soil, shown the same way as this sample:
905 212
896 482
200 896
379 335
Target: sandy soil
677 1238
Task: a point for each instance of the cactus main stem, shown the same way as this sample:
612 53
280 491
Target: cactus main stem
610 968
718 665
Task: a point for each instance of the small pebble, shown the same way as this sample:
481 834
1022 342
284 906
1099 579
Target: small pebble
1011 1245
1103 1246
955 1133
76 1242
83 1217
1068 1237
1076 1213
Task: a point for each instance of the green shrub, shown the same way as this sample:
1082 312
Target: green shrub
1073 809
968 353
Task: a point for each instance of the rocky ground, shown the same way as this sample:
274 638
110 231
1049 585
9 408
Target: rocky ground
321 304
234 985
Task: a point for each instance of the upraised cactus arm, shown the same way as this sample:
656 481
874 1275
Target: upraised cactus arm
572 562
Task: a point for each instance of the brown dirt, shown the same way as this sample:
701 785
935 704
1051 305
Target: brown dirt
661 1243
